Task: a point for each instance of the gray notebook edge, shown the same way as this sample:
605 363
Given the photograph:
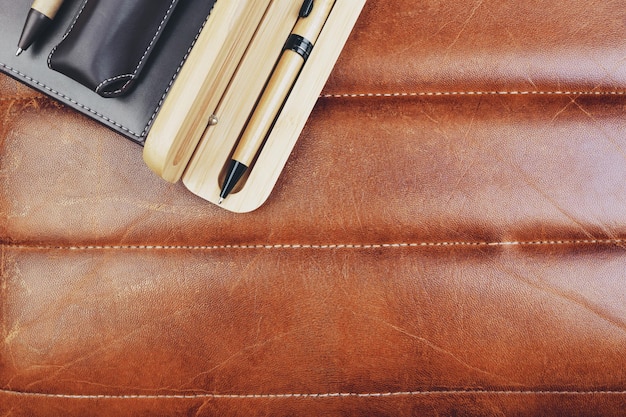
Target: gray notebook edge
130 116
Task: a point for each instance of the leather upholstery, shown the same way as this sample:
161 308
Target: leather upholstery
447 239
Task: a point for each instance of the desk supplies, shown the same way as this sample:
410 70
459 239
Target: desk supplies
39 17
296 52
204 172
110 42
199 87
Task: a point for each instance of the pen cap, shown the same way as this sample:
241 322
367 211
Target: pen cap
311 26
48 8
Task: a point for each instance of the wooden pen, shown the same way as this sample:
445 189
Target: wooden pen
312 17
41 14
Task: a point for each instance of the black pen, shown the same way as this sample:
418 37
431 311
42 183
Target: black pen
312 17
41 14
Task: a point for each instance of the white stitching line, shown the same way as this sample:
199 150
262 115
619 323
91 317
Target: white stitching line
309 395
156 111
143 57
325 246
67 33
118 77
22 98
169 86
475 93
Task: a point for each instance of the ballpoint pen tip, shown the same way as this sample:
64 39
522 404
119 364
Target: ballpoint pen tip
221 199
19 51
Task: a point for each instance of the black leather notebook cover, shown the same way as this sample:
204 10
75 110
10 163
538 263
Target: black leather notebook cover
131 115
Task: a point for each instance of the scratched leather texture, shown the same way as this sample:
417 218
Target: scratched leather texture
447 239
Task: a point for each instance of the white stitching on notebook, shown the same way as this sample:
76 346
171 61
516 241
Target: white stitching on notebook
68 32
329 395
71 100
143 57
180 66
101 116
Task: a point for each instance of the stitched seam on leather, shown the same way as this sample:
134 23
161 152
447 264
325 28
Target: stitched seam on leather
326 246
475 93
71 100
67 33
143 57
414 94
311 395
101 116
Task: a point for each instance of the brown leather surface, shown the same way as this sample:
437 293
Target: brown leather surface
447 239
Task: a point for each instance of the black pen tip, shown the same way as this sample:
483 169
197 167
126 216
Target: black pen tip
19 51
235 171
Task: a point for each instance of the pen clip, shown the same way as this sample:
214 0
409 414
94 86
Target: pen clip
306 8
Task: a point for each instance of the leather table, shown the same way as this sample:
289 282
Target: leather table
448 238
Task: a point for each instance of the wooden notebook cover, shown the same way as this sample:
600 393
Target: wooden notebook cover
132 115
